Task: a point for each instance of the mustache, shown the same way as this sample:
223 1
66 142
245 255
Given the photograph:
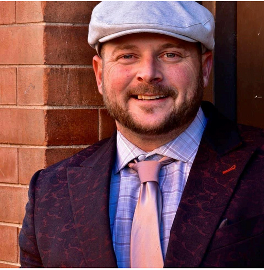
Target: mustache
153 90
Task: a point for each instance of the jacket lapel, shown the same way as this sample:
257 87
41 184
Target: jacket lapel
89 193
212 180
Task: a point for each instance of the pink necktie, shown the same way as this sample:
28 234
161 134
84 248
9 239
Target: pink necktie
145 248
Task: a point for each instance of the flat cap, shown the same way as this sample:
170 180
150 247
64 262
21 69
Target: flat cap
186 20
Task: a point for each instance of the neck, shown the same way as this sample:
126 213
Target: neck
150 142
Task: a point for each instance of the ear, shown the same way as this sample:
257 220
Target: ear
207 62
97 67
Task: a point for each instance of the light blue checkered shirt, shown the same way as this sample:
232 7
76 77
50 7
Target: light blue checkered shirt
125 185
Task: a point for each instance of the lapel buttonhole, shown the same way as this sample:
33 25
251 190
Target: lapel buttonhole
230 169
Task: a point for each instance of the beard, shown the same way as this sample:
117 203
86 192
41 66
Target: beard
177 118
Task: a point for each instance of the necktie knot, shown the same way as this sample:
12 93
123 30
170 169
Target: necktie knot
148 170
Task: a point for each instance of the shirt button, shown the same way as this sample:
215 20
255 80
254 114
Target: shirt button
141 157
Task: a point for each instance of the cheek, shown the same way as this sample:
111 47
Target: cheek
118 78
184 79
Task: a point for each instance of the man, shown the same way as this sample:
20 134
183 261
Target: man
154 59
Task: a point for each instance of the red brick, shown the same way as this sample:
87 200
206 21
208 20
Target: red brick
51 127
8 165
21 44
7 12
67 45
7 85
57 86
12 203
71 86
22 126
106 124
30 161
72 126
68 11
29 11
8 243
30 88
54 155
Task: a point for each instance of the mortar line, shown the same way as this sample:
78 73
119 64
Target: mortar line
45 66
9 224
10 263
23 24
13 185
44 147
49 107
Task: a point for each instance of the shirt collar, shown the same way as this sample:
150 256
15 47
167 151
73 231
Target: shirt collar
183 148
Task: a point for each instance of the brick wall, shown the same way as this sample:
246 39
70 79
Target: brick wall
49 104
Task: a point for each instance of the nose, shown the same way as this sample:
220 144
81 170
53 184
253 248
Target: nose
149 71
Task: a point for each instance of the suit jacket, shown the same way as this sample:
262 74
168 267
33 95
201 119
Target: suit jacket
219 222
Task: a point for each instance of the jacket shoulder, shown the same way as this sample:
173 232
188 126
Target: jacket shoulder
252 136
76 159
250 133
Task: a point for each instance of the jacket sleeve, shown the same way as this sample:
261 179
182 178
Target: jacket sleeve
29 253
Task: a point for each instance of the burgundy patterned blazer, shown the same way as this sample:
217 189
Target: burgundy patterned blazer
219 223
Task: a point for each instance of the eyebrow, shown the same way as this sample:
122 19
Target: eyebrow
124 47
172 45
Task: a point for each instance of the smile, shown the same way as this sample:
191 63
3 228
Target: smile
141 97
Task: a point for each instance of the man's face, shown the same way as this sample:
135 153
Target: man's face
151 83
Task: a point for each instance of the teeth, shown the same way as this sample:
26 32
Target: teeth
149 97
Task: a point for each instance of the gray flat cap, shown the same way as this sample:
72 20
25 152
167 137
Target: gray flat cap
189 21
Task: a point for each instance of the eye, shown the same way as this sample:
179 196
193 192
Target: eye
127 58
171 56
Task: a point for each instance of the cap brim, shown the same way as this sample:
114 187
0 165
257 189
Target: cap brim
135 31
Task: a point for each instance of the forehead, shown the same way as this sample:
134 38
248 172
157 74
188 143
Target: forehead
145 41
